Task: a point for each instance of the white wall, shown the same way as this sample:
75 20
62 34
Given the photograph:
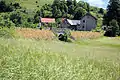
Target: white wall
89 24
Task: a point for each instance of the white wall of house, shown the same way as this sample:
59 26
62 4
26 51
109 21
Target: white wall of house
87 23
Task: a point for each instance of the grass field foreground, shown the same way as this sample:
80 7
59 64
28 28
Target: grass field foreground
28 59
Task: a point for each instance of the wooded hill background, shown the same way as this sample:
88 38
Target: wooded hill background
25 13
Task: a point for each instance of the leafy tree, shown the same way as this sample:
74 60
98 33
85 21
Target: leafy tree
84 5
56 3
6 22
47 13
69 2
69 16
79 13
88 7
101 11
113 29
46 7
75 3
37 17
58 13
113 12
71 9
16 5
65 8
16 18
94 9
5 7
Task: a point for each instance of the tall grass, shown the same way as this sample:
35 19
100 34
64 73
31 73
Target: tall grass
85 35
49 35
28 59
7 32
35 33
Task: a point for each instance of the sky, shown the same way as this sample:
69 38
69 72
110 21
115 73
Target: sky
98 3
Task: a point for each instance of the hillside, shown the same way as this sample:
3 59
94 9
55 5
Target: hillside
31 4
25 13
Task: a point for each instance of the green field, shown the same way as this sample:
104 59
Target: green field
27 59
31 4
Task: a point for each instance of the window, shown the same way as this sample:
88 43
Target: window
83 27
83 21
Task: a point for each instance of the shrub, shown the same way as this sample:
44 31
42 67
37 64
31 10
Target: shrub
65 36
113 29
4 7
6 22
17 6
7 32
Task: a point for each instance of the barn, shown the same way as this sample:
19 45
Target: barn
86 23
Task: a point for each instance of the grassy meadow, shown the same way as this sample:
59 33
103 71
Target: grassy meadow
86 59
32 4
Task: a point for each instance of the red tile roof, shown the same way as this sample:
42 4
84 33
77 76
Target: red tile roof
48 20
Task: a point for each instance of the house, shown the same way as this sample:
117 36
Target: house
71 24
46 21
86 23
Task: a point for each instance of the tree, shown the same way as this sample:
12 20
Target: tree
58 14
113 29
101 11
71 9
88 7
16 18
47 14
113 12
56 3
37 17
84 5
75 3
69 2
16 5
46 11
5 7
6 22
79 13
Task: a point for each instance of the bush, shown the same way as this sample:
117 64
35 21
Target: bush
7 32
97 29
6 22
4 7
65 36
113 29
